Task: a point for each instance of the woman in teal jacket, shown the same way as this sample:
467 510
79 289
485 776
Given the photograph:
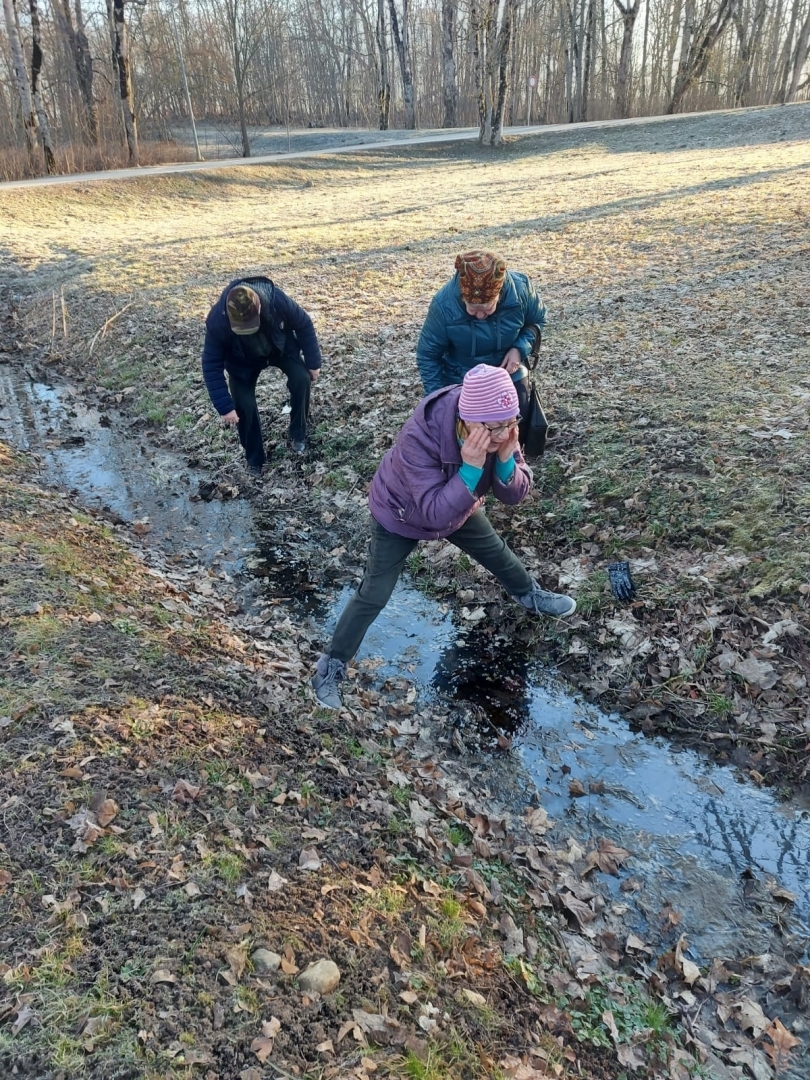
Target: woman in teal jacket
485 314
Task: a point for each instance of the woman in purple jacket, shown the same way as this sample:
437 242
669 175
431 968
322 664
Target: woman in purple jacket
459 445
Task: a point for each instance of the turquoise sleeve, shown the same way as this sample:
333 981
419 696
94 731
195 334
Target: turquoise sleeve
504 470
470 475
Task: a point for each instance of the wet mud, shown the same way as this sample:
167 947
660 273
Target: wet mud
730 858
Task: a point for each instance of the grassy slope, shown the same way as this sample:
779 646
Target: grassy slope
160 782
677 350
674 263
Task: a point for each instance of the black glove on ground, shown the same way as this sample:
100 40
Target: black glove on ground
621 583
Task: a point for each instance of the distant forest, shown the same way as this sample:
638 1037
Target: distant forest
85 87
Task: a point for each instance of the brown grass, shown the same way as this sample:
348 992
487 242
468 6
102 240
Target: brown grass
16 165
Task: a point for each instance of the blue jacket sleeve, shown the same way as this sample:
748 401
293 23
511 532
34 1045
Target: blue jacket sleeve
534 314
431 347
213 369
296 320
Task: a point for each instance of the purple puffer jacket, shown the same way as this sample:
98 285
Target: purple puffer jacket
417 492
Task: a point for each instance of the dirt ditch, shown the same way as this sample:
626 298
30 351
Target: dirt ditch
680 443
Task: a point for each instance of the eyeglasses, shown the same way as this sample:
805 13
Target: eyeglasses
499 429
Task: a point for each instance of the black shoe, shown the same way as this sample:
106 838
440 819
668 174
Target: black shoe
255 470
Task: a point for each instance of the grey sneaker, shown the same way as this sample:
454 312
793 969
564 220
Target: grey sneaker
299 445
328 673
255 470
540 602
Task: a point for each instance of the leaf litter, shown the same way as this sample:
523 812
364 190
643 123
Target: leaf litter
217 708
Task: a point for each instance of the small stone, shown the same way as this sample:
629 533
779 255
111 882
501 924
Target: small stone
265 961
321 977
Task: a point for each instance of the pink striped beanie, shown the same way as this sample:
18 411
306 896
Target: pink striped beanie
488 396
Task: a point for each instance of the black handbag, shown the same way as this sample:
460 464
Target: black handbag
533 429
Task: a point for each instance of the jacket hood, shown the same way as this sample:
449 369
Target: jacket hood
435 416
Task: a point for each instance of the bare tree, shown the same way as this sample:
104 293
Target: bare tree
503 50
384 86
785 62
244 25
700 35
629 14
800 57
29 118
36 91
449 86
401 35
119 37
82 61
750 44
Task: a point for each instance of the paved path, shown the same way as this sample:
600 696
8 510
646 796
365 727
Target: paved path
391 140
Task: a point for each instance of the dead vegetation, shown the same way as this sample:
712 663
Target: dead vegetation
676 370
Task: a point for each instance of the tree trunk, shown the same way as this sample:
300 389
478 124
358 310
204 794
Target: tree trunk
749 48
449 87
503 48
29 118
773 54
36 93
402 45
384 89
629 15
587 78
799 58
477 28
490 41
696 47
787 53
121 65
79 48
644 79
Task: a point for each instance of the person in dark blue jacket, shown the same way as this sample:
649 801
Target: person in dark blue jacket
485 314
252 326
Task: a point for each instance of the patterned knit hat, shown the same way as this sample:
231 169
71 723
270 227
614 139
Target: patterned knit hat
488 396
481 275
243 306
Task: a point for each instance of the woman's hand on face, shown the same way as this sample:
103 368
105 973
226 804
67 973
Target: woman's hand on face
475 447
508 447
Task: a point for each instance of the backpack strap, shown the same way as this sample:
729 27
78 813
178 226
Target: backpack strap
534 355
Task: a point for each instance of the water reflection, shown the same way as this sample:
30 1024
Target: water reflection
701 841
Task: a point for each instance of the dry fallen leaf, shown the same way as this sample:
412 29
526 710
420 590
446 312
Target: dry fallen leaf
309 859
184 792
24 1014
236 959
163 975
276 881
783 1042
106 812
262 1045
262 1048
608 857
473 997
536 819
752 1018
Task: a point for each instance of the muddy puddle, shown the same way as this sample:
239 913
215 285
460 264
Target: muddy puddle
720 852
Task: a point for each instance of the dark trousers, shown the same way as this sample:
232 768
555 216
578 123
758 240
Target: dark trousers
522 387
243 392
387 555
